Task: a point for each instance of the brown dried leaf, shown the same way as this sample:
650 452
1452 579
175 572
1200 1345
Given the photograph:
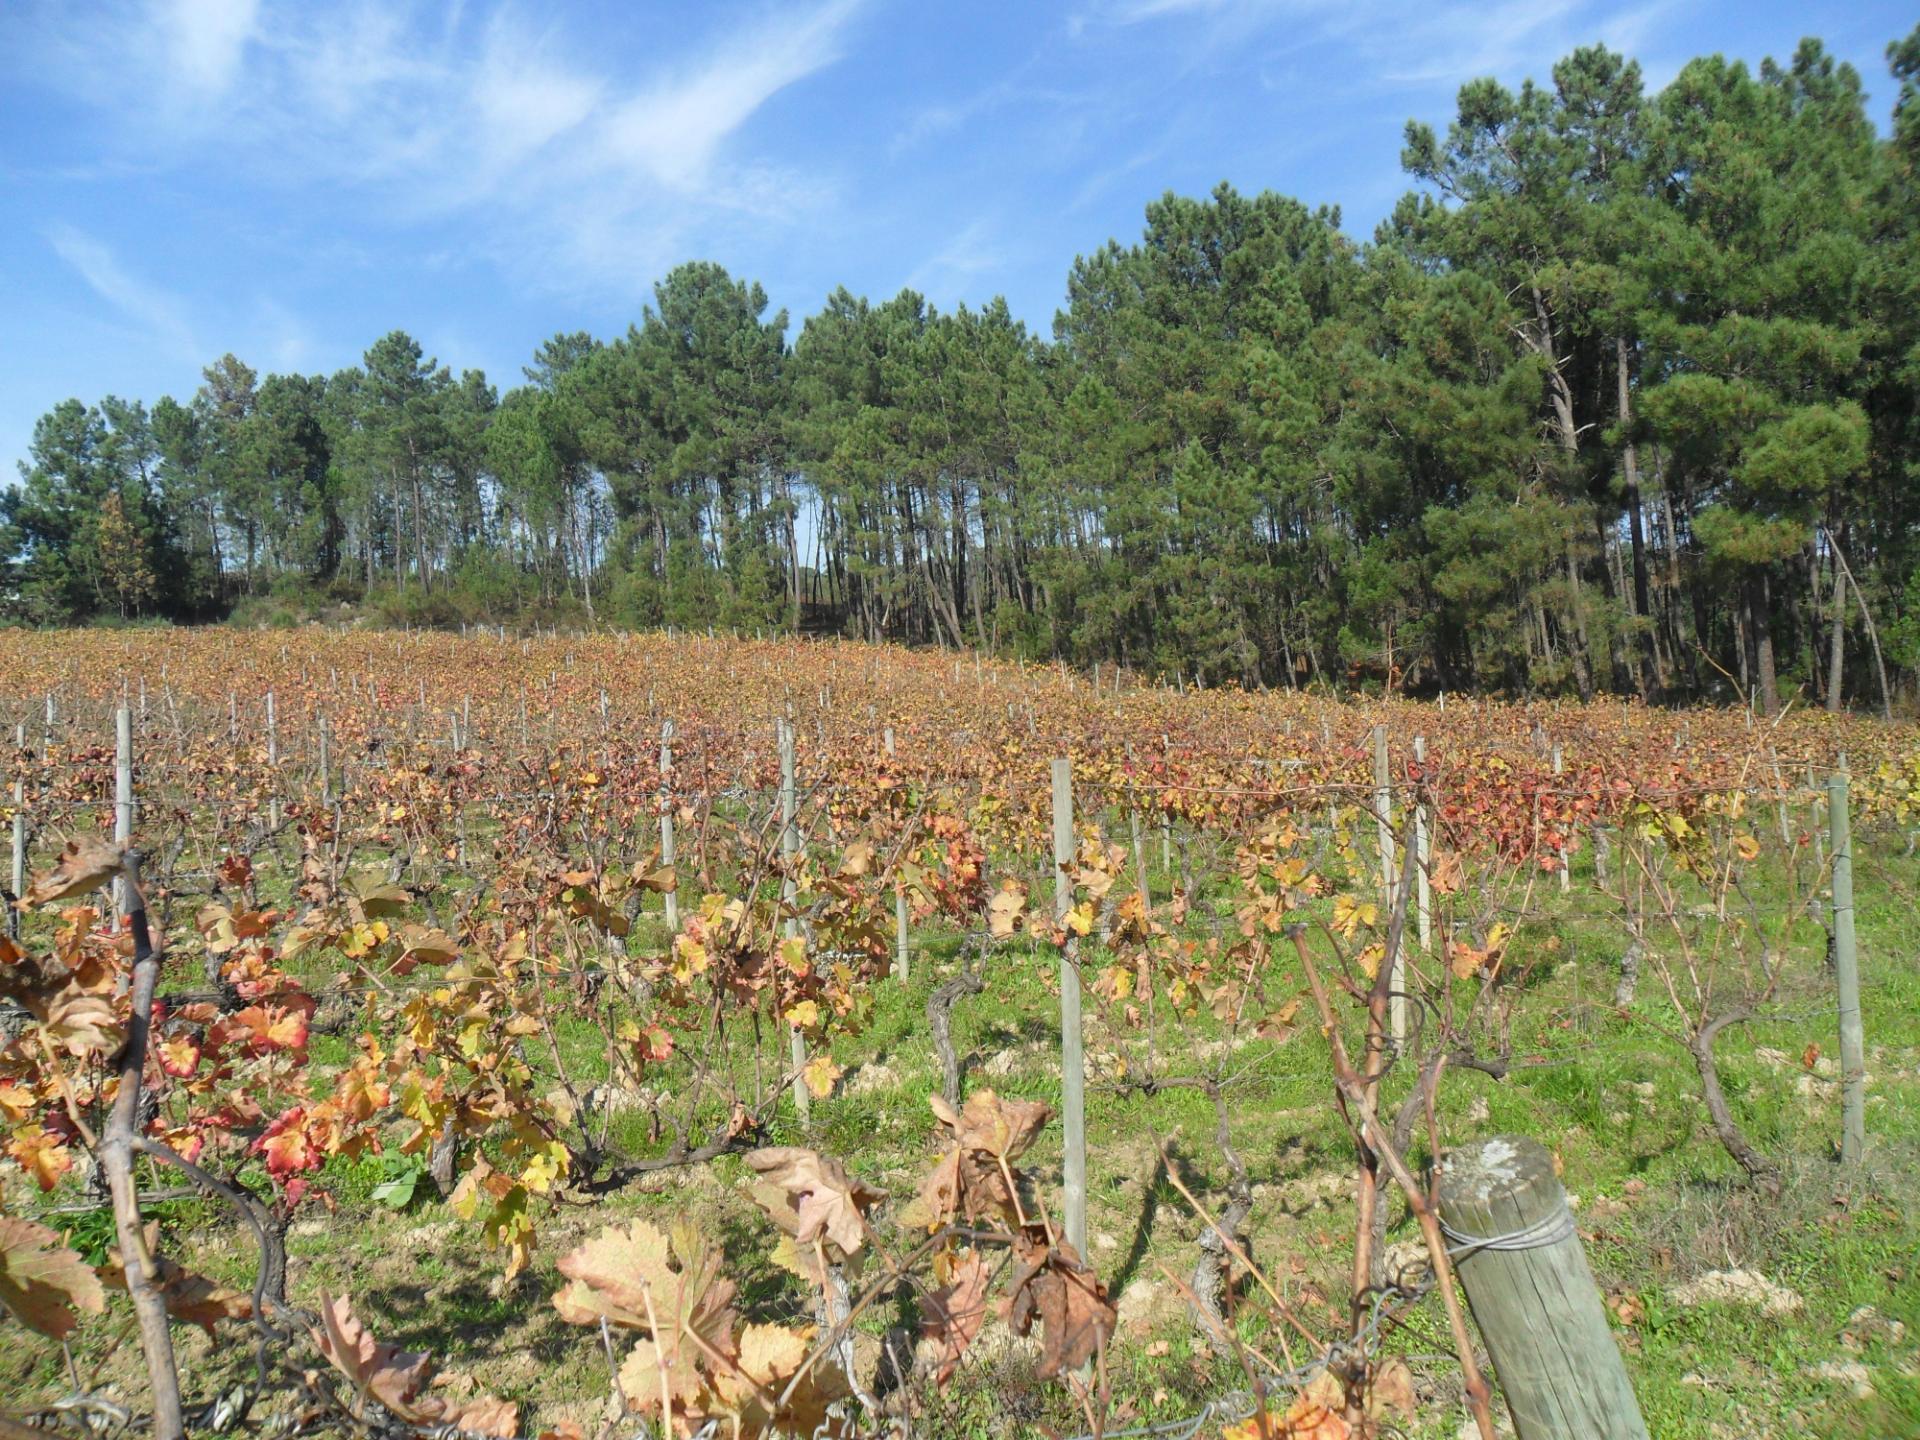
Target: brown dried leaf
1000 1128
623 1271
1391 1392
486 1415
770 1356
661 881
1007 910
954 1313
819 1201
86 864
1052 1286
398 1378
82 1024
42 1282
393 1376
938 1197
189 1297
420 945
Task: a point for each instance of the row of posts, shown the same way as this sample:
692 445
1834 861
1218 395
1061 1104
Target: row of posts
1527 1279
1845 953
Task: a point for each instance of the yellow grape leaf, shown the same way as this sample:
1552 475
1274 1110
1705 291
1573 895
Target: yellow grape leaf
1349 915
820 1075
41 1153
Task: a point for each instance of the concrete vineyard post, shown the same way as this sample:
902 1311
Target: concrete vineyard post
273 763
122 799
900 959
1422 854
19 829
789 891
1166 820
1846 970
326 765
672 896
1140 860
1533 1298
1559 768
1383 819
1073 1079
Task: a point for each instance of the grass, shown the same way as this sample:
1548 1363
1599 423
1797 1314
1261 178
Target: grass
1615 1099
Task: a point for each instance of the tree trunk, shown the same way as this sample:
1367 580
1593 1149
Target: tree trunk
1760 623
1636 523
1837 638
1759 1168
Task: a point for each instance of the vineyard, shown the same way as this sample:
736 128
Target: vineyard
421 1035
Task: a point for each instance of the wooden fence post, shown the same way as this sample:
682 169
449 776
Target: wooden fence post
1533 1298
789 892
899 903
1846 970
1073 1076
672 896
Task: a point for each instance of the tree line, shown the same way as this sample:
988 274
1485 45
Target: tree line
1623 397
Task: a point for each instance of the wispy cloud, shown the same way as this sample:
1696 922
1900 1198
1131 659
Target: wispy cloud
969 254
671 131
571 170
1439 44
205 39
154 310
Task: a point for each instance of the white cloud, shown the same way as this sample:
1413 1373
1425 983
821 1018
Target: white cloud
1441 44
970 253
671 130
569 165
151 308
289 342
205 39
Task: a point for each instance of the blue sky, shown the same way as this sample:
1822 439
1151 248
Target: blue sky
289 179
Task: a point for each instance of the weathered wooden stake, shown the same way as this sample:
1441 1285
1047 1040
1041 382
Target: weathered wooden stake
1846 972
1073 1077
1532 1295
